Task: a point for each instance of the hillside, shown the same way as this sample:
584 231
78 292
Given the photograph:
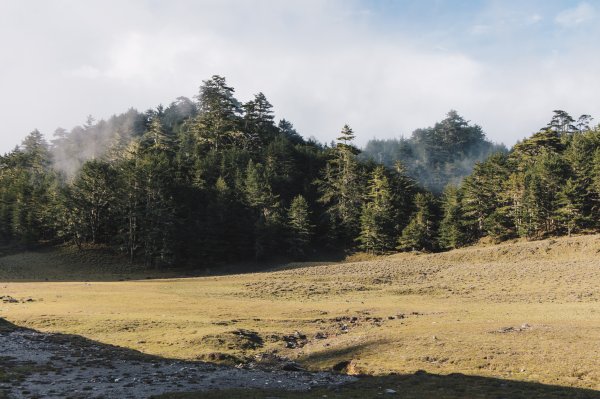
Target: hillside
524 311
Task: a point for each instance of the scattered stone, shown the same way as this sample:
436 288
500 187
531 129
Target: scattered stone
510 329
8 299
296 340
292 366
341 366
390 391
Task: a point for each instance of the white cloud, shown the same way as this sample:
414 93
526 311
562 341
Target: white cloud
84 71
321 64
572 17
480 29
534 19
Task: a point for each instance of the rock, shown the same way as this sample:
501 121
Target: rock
390 391
296 340
9 299
292 366
219 357
341 366
320 335
299 335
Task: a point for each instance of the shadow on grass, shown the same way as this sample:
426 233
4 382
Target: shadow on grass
412 386
65 263
418 385
406 386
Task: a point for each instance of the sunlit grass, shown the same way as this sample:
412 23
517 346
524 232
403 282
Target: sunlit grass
520 311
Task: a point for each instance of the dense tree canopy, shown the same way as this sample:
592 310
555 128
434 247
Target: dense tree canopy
217 180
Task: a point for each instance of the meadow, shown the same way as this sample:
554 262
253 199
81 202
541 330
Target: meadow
519 312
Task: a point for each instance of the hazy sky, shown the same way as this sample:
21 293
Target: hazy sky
384 67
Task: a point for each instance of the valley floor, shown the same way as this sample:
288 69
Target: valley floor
521 311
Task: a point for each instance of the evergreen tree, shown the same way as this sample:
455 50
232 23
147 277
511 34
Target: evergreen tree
300 228
419 234
90 200
258 122
377 227
340 189
269 223
570 203
218 123
452 234
483 201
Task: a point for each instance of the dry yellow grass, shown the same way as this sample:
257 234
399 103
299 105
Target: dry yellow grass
523 311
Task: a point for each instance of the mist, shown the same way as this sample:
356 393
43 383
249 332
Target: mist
436 156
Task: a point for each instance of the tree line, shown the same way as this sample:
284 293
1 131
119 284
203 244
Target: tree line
436 156
547 185
218 180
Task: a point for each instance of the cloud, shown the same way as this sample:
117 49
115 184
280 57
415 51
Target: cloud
534 19
84 71
321 63
480 29
572 17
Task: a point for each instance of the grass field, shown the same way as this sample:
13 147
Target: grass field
521 311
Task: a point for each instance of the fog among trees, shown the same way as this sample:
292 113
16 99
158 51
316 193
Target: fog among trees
216 180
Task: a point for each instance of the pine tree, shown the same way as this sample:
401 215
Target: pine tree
419 234
570 202
90 199
218 123
258 122
377 233
269 222
452 233
299 227
341 189
482 195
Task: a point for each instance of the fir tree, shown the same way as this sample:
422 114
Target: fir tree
419 234
452 234
340 189
377 233
299 227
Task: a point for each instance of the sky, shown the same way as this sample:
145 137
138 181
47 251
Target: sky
383 67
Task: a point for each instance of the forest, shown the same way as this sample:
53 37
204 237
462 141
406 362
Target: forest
219 180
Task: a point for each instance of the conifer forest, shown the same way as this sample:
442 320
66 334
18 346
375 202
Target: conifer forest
218 179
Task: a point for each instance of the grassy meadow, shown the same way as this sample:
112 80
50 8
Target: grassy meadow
520 311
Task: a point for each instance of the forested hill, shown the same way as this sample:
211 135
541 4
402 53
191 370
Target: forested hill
439 155
215 180
205 180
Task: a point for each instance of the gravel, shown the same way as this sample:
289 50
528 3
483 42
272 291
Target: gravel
61 366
